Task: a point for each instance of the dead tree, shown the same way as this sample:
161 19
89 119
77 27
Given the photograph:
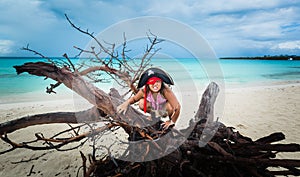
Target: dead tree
227 153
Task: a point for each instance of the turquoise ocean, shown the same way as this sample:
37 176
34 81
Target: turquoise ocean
234 73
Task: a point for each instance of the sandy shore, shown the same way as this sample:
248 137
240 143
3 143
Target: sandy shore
260 111
253 111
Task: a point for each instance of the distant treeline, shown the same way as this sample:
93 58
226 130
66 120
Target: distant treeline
266 57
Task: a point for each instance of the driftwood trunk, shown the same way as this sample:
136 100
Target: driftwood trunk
105 104
226 154
207 147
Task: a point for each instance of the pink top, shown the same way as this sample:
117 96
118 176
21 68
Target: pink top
158 103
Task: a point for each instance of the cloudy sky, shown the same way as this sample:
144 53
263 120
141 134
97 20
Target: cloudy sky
231 27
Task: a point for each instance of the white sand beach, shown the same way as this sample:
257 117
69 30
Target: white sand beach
254 112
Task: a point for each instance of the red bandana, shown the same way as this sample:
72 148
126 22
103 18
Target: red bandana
150 81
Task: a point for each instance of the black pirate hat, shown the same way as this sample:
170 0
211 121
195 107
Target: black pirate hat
155 72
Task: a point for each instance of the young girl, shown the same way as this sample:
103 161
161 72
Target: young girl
156 96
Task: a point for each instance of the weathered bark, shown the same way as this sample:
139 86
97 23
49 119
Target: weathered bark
94 95
206 107
73 81
90 115
271 138
227 154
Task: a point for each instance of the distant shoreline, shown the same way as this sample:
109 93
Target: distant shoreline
280 57
283 57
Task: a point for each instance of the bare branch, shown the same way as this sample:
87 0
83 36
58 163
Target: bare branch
51 146
123 67
37 53
87 33
49 118
70 62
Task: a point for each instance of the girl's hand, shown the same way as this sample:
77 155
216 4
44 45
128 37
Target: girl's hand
122 108
168 124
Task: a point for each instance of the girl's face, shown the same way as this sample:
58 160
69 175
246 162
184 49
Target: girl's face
156 86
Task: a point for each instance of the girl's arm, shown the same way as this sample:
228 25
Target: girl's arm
124 106
170 96
136 97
